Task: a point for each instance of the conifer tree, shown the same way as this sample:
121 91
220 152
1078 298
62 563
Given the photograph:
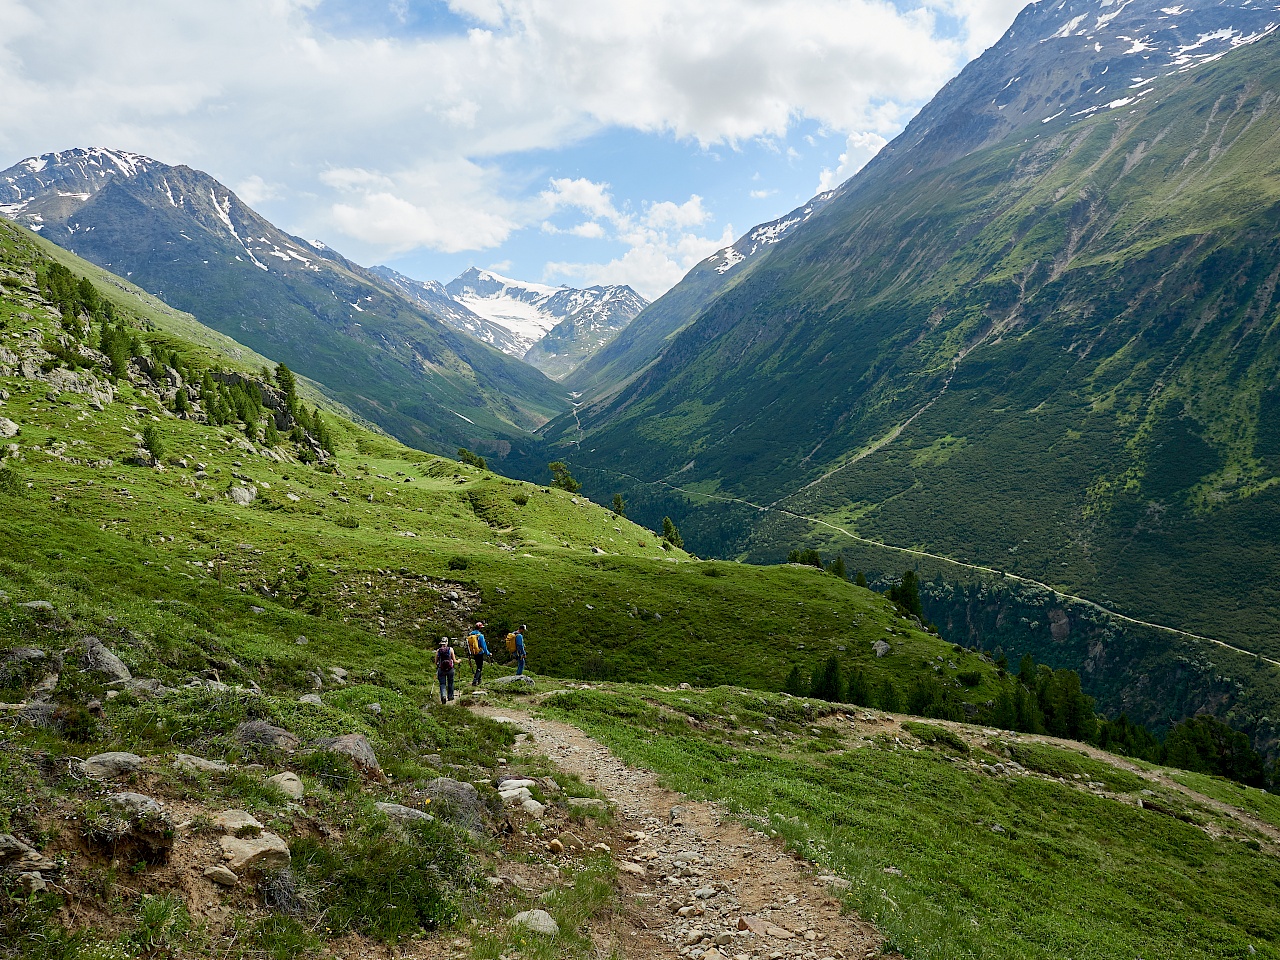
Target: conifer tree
619 506
671 534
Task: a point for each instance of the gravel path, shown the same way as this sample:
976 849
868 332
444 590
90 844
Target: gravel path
696 883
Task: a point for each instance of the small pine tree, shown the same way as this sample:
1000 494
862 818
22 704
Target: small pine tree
827 683
272 433
796 684
562 478
860 579
153 441
888 698
619 506
671 534
288 385
838 568
858 691
474 459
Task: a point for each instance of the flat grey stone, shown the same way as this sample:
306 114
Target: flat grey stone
402 813
184 761
136 804
265 852
357 747
221 876
243 496
233 821
537 921
523 680
533 808
261 733
881 648
311 700
105 766
37 605
456 802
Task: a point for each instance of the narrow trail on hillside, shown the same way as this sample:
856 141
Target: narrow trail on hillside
912 552
691 876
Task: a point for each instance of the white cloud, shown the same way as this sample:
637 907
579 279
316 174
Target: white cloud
396 141
858 149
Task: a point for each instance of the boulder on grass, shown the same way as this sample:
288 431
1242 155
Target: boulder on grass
108 766
265 852
537 921
357 747
259 733
456 802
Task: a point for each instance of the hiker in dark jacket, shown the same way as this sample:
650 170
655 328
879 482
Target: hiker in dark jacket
446 661
479 650
520 654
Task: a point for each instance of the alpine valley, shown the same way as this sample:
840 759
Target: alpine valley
960 638
1038 334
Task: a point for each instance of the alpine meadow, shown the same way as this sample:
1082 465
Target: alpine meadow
902 582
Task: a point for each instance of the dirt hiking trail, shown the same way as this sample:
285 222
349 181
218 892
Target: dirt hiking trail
696 883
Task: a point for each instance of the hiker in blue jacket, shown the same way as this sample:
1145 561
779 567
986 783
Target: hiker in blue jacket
479 650
520 655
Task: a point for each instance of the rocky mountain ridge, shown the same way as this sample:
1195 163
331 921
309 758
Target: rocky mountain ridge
190 240
552 328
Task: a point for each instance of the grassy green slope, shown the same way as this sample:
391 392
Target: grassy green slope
1105 289
1057 859
185 585
356 560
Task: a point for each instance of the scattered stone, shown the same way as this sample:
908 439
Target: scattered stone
536 921
11 848
311 699
587 803
243 496
32 883
456 802
265 852
375 709
221 876
401 813
523 680
635 869
555 846
533 808
705 893
571 841
357 747
234 821
190 764
259 733
288 784
8 428
44 605
136 804
108 766
98 658
881 648
754 925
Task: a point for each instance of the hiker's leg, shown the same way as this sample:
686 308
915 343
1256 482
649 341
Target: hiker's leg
440 676
519 666
449 675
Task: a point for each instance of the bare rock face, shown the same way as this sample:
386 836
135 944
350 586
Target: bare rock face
358 749
265 852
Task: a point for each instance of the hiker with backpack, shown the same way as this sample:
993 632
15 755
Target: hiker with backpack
446 660
478 650
515 646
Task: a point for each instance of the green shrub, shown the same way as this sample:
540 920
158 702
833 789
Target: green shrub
457 563
970 678
930 733
385 882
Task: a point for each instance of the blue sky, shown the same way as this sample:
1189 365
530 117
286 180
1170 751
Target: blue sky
563 141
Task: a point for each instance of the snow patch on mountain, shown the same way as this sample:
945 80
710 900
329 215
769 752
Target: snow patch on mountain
766 234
